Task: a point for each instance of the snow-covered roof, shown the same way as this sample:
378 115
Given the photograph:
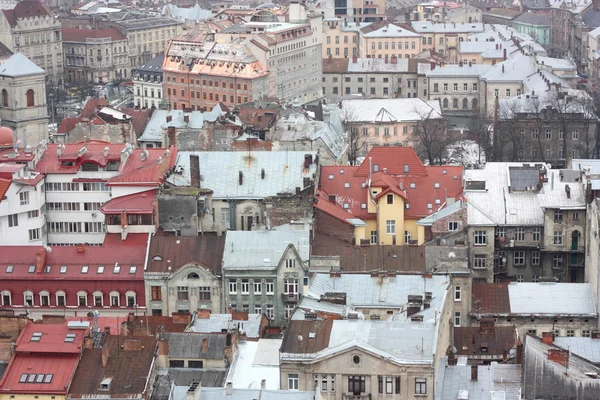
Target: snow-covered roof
473 70
551 298
390 110
19 65
391 31
431 27
515 69
195 13
556 63
255 361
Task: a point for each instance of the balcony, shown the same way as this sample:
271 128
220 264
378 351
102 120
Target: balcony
557 248
289 297
357 396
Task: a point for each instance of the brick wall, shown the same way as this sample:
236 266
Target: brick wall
283 209
441 225
334 227
559 356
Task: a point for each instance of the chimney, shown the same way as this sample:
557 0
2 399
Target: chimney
568 190
172 135
502 68
547 337
186 119
504 54
470 63
307 160
105 356
163 347
460 64
132 345
169 118
474 372
240 178
354 59
496 46
204 345
203 314
560 356
386 59
305 182
263 384
194 170
40 260
332 198
487 327
89 342
262 173
229 389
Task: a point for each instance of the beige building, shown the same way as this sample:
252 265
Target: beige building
31 28
445 38
354 10
456 86
23 99
385 41
341 38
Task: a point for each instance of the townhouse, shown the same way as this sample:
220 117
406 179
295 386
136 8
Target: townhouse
445 37
386 40
341 38
148 84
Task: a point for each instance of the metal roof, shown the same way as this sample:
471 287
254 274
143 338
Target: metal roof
19 65
263 249
557 198
165 377
390 110
217 322
220 171
189 345
585 347
180 392
551 298
255 361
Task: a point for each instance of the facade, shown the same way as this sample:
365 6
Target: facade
341 38
535 25
76 279
354 10
148 84
23 99
31 29
195 350
445 38
266 271
94 55
183 274
446 12
456 87
385 41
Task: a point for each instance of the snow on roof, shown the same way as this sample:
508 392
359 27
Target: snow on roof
474 70
19 65
255 361
391 31
377 65
390 110
158 122
515 69
430 27
551 298
556 63
195 13
217 322
558 198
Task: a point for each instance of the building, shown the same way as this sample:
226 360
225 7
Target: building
375 122
22 204
341 38
112 367
565 309
486 343
535 25
380 201
374 77
252 325
354 11
538 233
384 41
148 84
457 87
256 362
195 391
94 55
44 361
444 38
212 351
584 347
23 92
266 271
30 28
504 16
593 58
184 274
370 358
76 279
446 12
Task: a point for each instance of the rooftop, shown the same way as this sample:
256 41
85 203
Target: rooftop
390 110
391 30
83 35
584 347
474 70
432 27
216 323
19 65
164 119
255 361
189 345
154 65
473 342
166 377
145 167
67 158
179 392
169 253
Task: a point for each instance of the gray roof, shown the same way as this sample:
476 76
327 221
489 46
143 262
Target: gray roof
148 23
444 212
557 198
165 377
255 361
551 299
217 322
263 249
154 65
179 393
19 65
584 347
533 19
496 381
158 122
195 13
591 18
284 172
377 65
189 345
521 179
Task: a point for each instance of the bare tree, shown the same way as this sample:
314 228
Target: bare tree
481 129
509 142
430 137
356 143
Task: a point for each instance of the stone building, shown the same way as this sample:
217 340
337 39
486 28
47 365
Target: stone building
266 271
148 84
183 274
341 38
380 40
31 28
354 10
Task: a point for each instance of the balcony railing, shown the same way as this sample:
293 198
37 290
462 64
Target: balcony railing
354 396
289 297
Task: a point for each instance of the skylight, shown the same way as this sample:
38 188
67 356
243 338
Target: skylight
63 269
100 269
84 269
36 337
70 338
31 269
9 269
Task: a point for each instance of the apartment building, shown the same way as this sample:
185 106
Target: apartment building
148 84
375 77
386 40
446 11
539 232
456 87
355 10
94 55
341 38
31 28
444 38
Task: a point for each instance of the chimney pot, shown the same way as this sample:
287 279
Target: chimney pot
229 389
241 178
474 372
547 337
204 345
263 384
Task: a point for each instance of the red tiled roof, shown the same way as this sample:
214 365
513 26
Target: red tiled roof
331 208
139 119
490 298
34 180
51 163
133 239
135 203
67 125
394 158
8 155
91 106
80 35
145 172
61 368
52 340
4 185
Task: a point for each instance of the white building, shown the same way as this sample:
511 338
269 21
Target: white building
147 84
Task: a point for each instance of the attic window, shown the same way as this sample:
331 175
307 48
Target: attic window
429 206
330 177
9 269
100 269
23 378
406 168
376 168
363 205
117 269
347 184
31 269
346 206
193 275
407 205
413 185
63 269
438 201
47 269
48 378
444 172
70 338
31 378
132 269
40 378
436 185
157 258
84 269
105 384
341 171
36 337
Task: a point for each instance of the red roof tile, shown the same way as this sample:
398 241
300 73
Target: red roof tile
394 158
51 163
91 107
4 185
8 155
80 35
135 203
145 172
332 208
52 340
139 119
133 239
490 298
67 125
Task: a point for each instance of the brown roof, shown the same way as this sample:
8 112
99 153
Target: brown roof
26 9
142 326
67 125
91 106
370 258
139 119
335 65
504 12
297 328
469 341
129 369
490 298
260 119
205 250
80 35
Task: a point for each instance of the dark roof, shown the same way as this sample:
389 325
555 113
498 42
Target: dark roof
468 341
533 19
297 328
3 366
369 258
152 324
67 125
490 298
5 51
80 35
590 17
154 65
139 118
206 250
335 65
26 9
91 106
260 119
536 4
189 345
184 377
503 12
129 369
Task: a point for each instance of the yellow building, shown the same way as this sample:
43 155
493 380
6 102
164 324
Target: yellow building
380 201
385 41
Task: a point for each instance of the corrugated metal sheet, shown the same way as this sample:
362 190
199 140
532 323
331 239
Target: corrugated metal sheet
189 345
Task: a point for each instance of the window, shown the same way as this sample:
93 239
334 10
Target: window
389 383
457 318
575 215
585 333
356 384
293 382
558 238
176 363
519 258
420 386
520 234
31 269
534 133
84 269
535 258
183 293
390 199
570 333
290 263
4 98
548 134
537 233
204 293
480 238
33 214
24 198
131 299
507 92
82 299
195 364
270 286
245 286
373 237
13 220
407 237
290 286
453 226
390 227
479 261
115 299
30 99
34 234
98 299
156 293
557 261
520 278
575 134
232 286
117 269
6 298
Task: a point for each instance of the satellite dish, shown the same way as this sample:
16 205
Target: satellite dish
300 338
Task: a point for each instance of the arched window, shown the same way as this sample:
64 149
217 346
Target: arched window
30 100
475 105
28 298
548 152
193 275
145 92
82 299
454 103
4 98
6 298
98 299
465 103
115 299
445 103
44 298
131 299
61 298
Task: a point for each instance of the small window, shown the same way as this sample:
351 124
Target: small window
63 269
9 269
100 269
84 269
31 269
390 199
48 378
413 185
132 269
117 269
31 378
23 378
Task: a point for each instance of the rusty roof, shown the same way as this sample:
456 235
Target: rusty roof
205 250
260 119
490 298
292 343
470 342
128 370
335 65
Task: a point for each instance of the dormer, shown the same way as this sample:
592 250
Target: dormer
105 384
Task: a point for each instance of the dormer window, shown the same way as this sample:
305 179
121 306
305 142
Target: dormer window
157 258
31 269
105 384
193 275
84 269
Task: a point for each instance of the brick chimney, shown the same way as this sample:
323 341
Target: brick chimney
172 135
560 356
203 314
595 334
487 327
204 345
163 347
169 118
105 356
547 337
354 59
40 260
194 170
132 345
89 342
186 119
332 198
474 372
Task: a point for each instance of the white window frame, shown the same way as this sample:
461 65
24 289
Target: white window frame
26 294
46 294
293 382
98 294
480 238
112 295
232 286
58 294
257 286
457 319
390 227
245 286
9 294
479 261
131 294
457 293
24 197
452 226
270 286
81 294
